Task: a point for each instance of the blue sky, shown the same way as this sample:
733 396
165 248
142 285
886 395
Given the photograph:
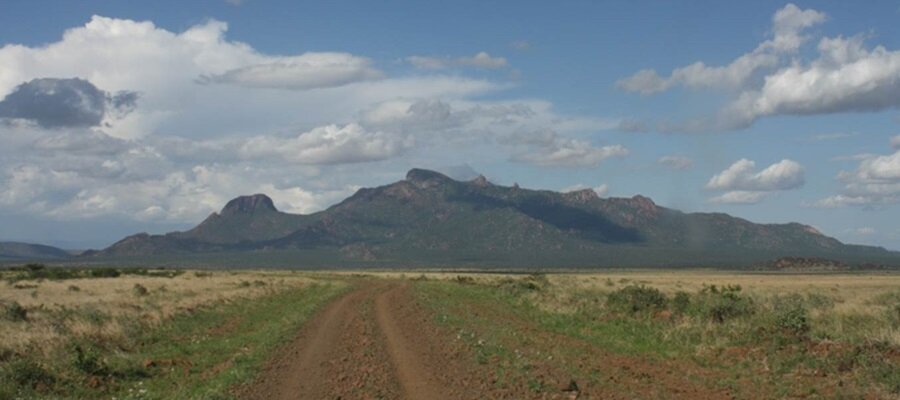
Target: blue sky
771 111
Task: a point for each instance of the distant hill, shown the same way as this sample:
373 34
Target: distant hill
431 220
27 251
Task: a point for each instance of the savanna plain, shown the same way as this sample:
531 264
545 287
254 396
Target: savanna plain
199 334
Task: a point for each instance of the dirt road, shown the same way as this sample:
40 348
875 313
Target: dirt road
373 343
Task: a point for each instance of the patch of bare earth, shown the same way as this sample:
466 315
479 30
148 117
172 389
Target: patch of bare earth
378 342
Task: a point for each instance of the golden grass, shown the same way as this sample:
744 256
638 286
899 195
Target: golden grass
97 307
853 295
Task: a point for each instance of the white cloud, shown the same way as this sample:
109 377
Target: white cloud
186 148
845 78
774 79
188 195
303 72
479 60
783 175
739 197
601 190
787 36
165 67
746 186
875 181
330 144
895 142
679 163
556 151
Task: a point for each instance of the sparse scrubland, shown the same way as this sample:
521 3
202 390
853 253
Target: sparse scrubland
130 333
681 334
159 333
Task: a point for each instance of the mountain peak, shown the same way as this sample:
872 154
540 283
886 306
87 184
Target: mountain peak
582 196
481 181
249 204
424 178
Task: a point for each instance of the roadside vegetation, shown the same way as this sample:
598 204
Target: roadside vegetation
763 337
145 334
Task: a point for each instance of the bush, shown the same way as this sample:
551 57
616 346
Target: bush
681 302
104 273
73 288
533 282
34 267
635 299
722 304
139 290
14 312
791 316
27 373
88 361
893 315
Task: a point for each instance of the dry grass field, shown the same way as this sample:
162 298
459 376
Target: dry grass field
619 334
102 307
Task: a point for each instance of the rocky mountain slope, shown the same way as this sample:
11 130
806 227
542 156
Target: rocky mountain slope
430 219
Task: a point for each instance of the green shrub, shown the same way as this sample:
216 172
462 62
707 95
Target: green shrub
893 315
27 373
819 301
139 290
88 361
722 304
681 302
528 283
635 299
34 267
104 273
14 312
791 316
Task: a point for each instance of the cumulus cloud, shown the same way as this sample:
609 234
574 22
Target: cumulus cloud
167 69
601 190
330 144
846 77
303 72
64 103
739 197
788 23
679 163
207 127
479 60
557 151
895 142
81 143
774 79
746 186
875 182
783 175
186 195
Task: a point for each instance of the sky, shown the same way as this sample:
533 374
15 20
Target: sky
126 117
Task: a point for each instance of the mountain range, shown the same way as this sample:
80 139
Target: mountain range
431 220
28 251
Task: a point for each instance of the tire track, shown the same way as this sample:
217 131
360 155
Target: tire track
417 381
373 343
